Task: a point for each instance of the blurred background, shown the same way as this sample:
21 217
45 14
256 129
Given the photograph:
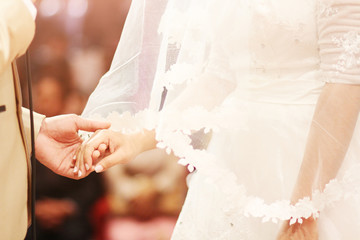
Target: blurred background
73 47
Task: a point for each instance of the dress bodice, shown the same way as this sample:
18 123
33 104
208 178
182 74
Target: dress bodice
273 50
222 62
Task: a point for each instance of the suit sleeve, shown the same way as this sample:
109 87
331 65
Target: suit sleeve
17 29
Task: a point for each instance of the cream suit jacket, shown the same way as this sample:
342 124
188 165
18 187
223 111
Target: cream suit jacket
16 32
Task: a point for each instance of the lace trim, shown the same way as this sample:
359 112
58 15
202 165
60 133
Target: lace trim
174 136
225 180
335 191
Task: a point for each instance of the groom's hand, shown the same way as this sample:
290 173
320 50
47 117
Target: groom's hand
58 140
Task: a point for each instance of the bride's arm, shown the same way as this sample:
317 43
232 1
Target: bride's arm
125 147
330 133
114 148
338 106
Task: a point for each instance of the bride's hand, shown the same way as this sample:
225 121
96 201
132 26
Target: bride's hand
107 148
306 231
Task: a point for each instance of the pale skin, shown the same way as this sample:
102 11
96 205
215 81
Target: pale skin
58 140
107 148
330 113
305 231
113 148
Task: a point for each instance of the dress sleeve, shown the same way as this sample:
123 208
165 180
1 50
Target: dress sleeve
339 40
337 108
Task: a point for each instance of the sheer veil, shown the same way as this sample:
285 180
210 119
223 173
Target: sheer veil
157 37
127 85
173 71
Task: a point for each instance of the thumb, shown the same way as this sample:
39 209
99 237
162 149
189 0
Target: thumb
110 161
90 125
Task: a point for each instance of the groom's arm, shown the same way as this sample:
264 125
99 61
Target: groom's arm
17 29
58 141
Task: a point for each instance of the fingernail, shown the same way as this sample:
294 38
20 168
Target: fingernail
87 167
79 173
99 168
75 169
74 157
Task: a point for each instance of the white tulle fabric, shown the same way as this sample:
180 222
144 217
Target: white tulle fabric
247 75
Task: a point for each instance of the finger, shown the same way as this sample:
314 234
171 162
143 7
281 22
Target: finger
281 237
89 147
95 152
88 161
100 151
111 160
95 155
90 125
84 166
289 232
80 160
73 159
79 165
76 158
88 153
102 148
100 139
298 235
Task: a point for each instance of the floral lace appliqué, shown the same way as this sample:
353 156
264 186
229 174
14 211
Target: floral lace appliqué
327 9
350 51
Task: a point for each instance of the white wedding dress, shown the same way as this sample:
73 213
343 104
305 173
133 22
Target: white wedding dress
250 72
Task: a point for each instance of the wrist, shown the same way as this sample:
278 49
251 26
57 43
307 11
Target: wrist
146 139
42 128
41 134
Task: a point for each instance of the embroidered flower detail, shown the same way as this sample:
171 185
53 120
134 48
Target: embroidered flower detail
350 50
327 9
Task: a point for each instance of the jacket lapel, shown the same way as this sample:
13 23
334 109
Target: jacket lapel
21 126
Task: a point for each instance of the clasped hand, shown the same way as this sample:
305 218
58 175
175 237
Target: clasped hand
307 230
58 140
107 148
